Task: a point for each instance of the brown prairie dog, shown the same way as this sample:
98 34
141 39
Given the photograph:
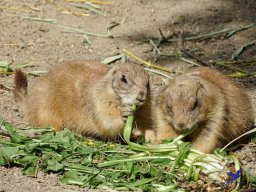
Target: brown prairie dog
208 101
86 97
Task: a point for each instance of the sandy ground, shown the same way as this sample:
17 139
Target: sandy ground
45 44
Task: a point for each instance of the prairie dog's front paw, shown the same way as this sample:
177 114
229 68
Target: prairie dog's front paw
150 137
136 133
126 111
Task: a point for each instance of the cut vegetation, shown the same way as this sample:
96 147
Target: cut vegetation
171 166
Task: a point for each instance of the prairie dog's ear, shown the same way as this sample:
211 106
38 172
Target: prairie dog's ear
162 95
199 84
114 69
201 89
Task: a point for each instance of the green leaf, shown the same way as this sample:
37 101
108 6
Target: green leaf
130 166
29 171
73 177
30 147
54 165
184 149
64 138
15 136
84 149
7 154
28 160
30 164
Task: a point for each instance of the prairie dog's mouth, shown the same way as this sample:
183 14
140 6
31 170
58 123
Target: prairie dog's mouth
185 128
129 101
188 131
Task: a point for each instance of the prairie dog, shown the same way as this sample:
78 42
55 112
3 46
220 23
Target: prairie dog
208 101
86 97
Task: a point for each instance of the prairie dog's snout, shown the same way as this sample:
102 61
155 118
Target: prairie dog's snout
141 96
135 99
180 126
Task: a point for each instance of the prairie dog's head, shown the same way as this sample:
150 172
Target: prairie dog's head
130 83
185 103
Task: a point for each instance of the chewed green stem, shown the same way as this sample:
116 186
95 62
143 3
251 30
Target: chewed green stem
184 134
128 126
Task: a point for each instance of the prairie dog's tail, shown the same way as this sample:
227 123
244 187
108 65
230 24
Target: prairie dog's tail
20 85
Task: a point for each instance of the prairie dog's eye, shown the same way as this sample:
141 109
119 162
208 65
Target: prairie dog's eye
169 110
196 104
123 79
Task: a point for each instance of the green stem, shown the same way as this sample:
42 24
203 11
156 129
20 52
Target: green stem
115 162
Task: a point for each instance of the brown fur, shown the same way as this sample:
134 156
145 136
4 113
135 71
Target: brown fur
86 97
205 99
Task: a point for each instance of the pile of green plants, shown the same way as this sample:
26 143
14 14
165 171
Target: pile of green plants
171 166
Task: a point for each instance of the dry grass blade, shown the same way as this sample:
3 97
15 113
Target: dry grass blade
229 33
89 7
91 1
25 64
33 73
16 9
233 32
189 61
6 73
239 51
80 31
40 19
244 62
158 73
202 36
36 73
147 63
159 53
86 40
112 59
191 55
247 133
65 10
237 75
236 69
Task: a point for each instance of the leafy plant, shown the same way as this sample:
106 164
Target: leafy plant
171 166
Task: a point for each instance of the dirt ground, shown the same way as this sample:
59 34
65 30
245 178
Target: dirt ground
45 44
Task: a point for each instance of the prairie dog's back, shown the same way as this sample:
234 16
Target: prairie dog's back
58 93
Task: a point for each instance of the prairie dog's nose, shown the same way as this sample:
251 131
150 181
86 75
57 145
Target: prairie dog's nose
180 126
141 96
